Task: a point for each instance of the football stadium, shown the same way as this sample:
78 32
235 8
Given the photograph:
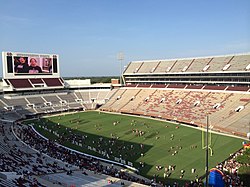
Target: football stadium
171 122
125 93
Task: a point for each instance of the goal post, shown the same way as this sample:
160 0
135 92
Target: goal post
203 139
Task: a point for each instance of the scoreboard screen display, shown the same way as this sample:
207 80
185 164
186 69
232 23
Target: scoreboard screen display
29 64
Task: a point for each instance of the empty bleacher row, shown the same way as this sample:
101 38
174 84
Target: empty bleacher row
13 108
205 64
228 111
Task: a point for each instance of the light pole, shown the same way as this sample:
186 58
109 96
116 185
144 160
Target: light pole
120 57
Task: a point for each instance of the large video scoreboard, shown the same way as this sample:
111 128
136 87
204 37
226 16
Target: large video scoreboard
30 65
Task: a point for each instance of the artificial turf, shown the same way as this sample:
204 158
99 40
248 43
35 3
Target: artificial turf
161 139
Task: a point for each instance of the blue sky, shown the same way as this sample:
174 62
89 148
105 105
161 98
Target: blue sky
88 34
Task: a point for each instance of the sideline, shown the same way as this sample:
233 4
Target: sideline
87 155
177 123
148 117
157 119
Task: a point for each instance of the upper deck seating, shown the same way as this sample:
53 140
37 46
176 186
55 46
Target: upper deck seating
181 65
239 63
218 63
225 63
148 67
133 67
198 64
165 66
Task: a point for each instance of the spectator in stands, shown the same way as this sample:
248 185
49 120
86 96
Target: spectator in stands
34 68
21 65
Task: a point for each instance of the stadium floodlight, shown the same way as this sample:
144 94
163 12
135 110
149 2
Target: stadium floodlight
120 57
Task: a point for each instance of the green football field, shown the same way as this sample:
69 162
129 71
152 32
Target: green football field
135 139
